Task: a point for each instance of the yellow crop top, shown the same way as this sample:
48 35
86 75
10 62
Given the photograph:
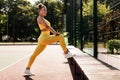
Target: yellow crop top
42 27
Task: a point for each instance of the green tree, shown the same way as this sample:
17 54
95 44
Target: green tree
21 19
3 18
102 10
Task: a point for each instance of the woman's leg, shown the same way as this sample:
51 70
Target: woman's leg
37 51
60 38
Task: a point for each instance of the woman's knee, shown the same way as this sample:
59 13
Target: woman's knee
61 38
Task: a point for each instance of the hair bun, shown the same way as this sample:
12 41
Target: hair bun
40 5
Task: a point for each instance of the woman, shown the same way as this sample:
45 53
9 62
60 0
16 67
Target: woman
45 38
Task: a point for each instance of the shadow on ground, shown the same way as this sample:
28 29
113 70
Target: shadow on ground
28 78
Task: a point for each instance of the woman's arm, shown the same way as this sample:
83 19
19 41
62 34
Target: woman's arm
42 22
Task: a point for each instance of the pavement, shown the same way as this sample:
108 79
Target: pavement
95 69
49 65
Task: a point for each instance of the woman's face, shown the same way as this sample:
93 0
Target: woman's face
43 11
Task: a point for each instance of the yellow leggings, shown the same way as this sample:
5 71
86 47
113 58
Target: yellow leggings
43 41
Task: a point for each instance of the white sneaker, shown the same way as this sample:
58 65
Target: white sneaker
28 72
68 55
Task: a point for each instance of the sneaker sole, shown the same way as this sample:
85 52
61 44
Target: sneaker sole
68 57
26 75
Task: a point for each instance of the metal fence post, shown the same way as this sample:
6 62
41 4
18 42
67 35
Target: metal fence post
81 27
95 28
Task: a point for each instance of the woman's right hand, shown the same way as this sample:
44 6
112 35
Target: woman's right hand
57 34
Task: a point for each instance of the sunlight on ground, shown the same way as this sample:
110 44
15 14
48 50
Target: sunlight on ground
11 54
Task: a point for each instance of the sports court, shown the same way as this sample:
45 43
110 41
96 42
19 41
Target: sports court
50 64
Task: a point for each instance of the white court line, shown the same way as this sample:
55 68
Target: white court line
14 62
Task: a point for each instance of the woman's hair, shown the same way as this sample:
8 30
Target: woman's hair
40 6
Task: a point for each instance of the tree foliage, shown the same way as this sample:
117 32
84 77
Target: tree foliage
102 8
107 16
18 18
